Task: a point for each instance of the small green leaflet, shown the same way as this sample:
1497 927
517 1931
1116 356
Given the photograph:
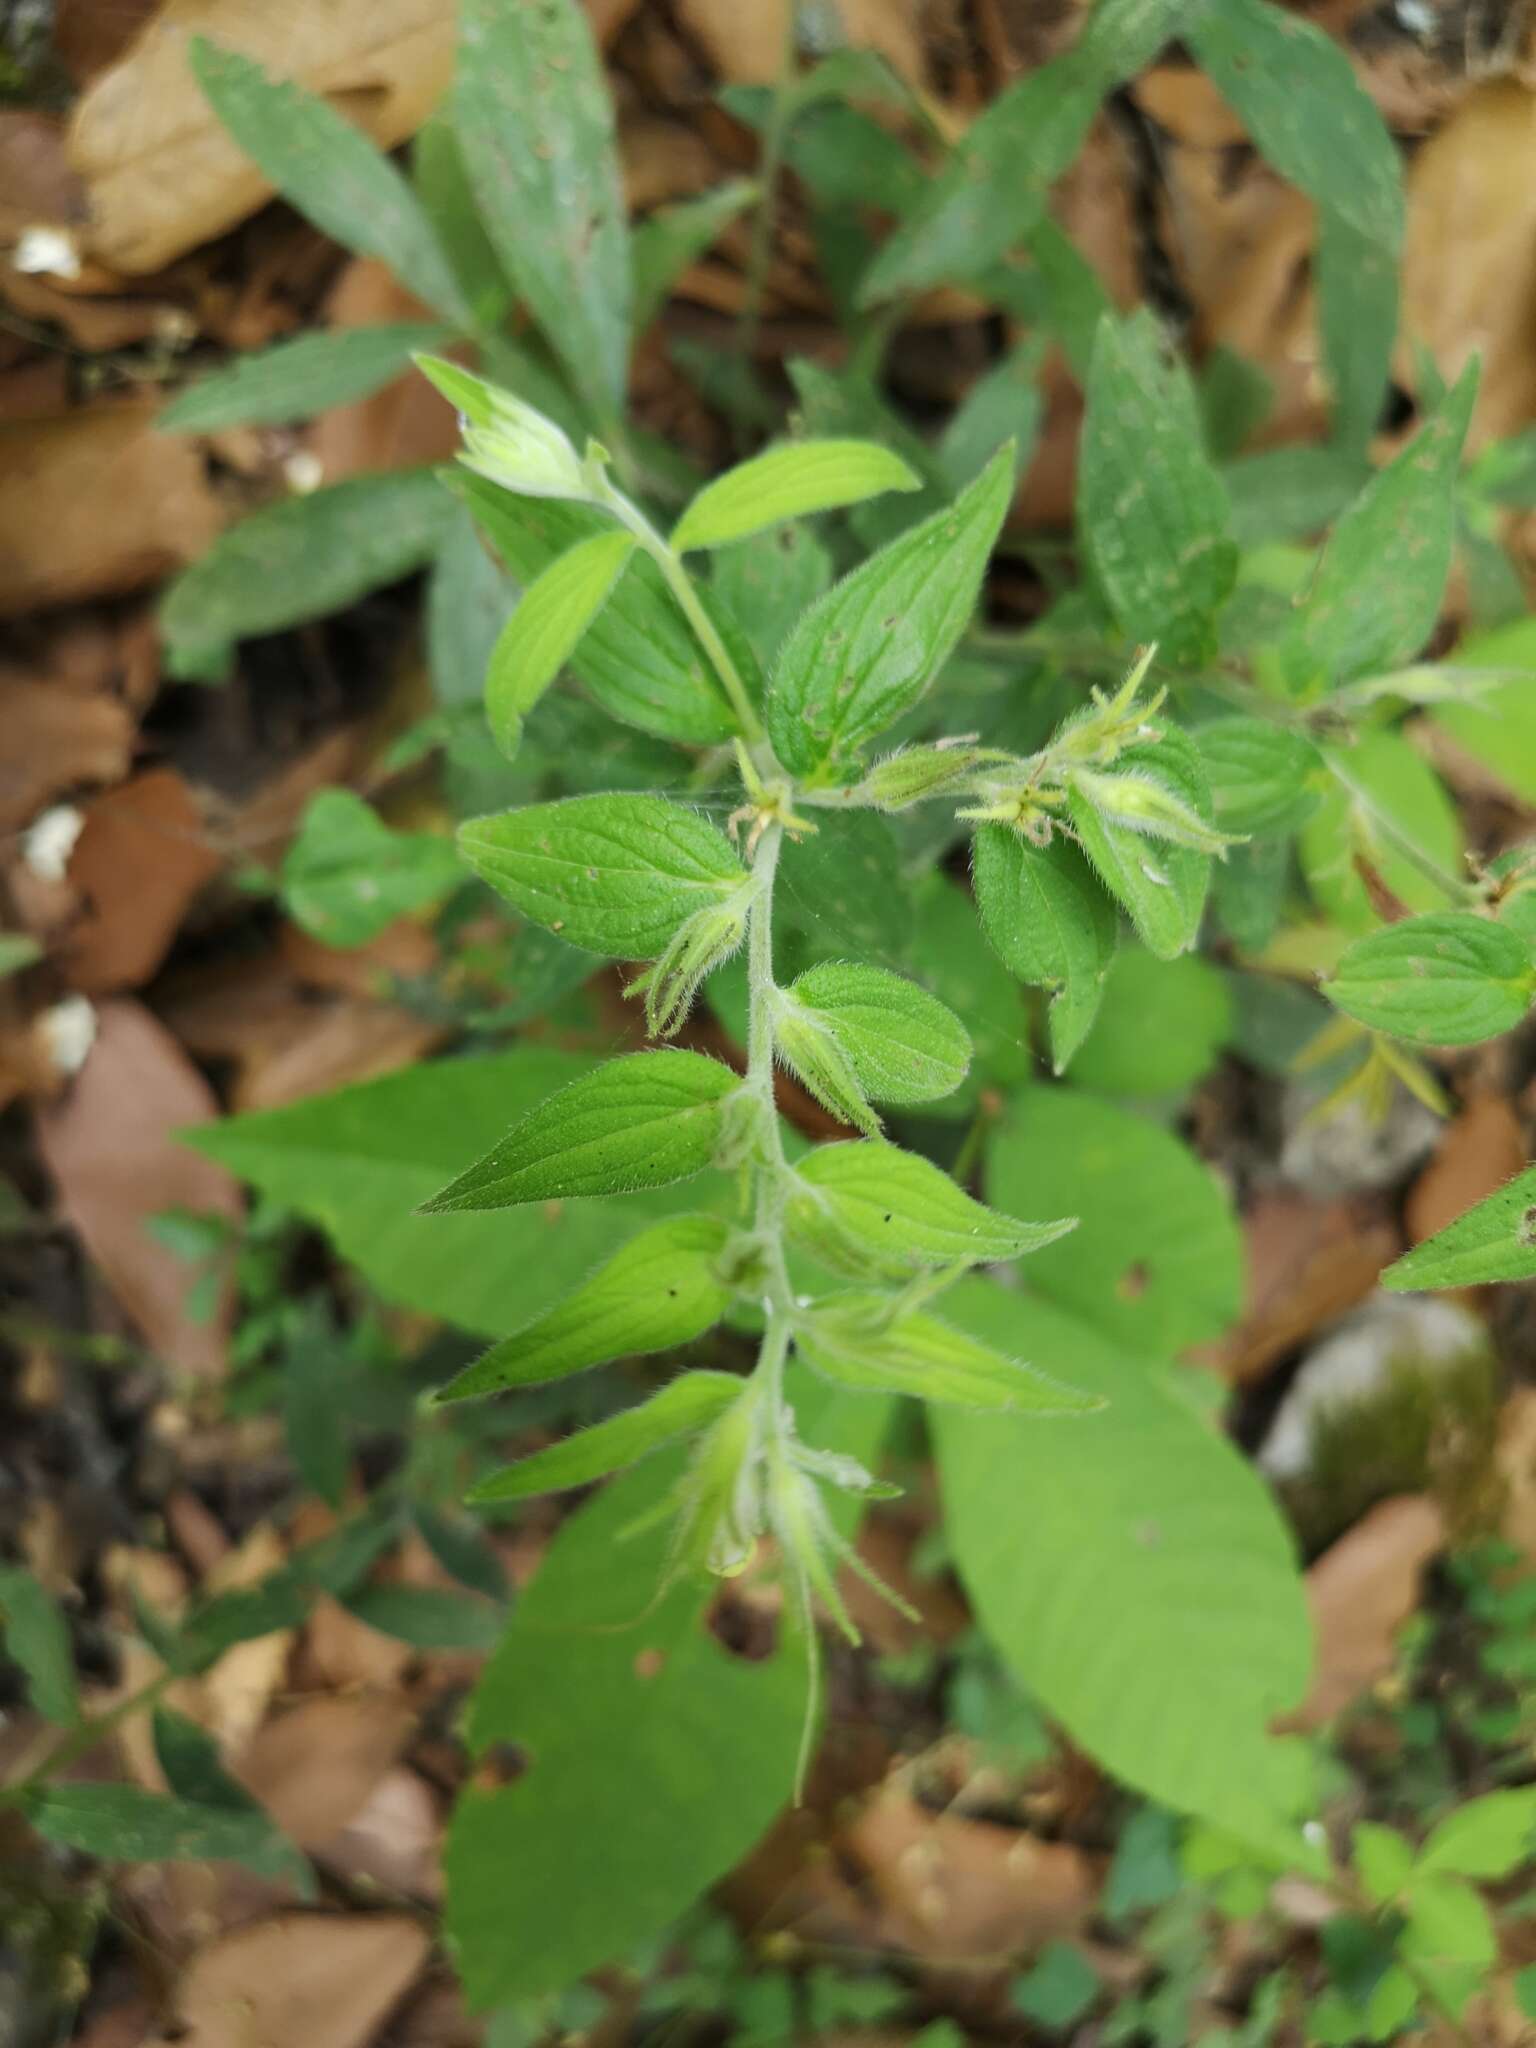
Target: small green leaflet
1449 978
546 628
682 1408
1263 778
194 1771
1383 1860
330 171
1152 511
427 1617
902 1043
1495 1240
534 121
1383 797
347 875
613 874
870 1208
639 1122
662 1289
1050 923
442 186
852 1341
867 651
296 379
299 559
17 950
1376 595
767 582
1160 1028
789 483
1490 1837
1002 407
1357 315
35 1638
1163 886
639 658
673 238
124 1824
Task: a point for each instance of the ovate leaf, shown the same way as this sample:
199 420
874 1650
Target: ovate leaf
35 1638
662 1289
613 874
1152 510
1489 1837
1262 777
866 651
534 120
640 1122
903 1044
851 1343
1495 1240
1157 1261
125 1824
1161 1026
1134 1572
302 559
1162 885
546 628
347 875
296 379
1050 923
682 1408
330 171
869 1207
789 483
427 1617
1449 978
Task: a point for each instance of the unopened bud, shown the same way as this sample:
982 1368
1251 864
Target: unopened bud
816 1060
506 439
1139 803
705 942
722 1495
918 772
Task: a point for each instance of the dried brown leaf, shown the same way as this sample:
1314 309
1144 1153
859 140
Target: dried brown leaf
1361 1591
316 1766
138 865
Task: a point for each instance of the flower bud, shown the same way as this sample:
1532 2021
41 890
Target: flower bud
505 438
723 1512
918 772
1139 803
697 948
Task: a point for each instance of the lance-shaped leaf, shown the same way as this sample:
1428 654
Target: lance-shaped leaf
639 1122
296 379
125 1824
194 1771
673 238
534 121
1495 1240
903 1044
35 1638
682 1408
613 874
853 1340
330 171
663 1288
789 483
1161 884
1262 778
1152 510
544 631
869 1208
865 653
1050 923
1449 978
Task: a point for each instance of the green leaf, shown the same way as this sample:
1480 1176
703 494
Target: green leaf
1152 510
124 1824
189 1757
673 238
789 482
314 1415
358 1163
854 1341
1383 797
682 1408
330 171
1377 593
1490 1837
463 1549
1498 726
639 1122
842 885
1157 1261
294 380
468 602
301 559
1263 778
1135 1573
442 186
1059 1987
903 1044
639 658
1357 315
1050 923
347 875
1450 978
1162 885
1160 1028
867 651
1494 1240
534 120
1383 1860
660 1290
427 1617
767 582
1001 408
654 1757
546 628
35 1638
1447 1922
612 874
868 1207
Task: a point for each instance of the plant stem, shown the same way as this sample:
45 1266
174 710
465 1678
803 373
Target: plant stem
77 1742
1459 893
